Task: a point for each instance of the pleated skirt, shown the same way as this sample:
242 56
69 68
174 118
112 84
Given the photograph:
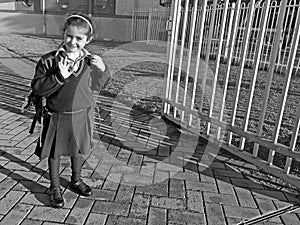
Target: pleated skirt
66 134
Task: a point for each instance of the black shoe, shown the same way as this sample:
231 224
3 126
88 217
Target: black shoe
81 188
56 198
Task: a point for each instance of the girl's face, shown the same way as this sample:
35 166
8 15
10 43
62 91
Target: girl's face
75 38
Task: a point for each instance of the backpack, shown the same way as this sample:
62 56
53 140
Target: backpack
39 103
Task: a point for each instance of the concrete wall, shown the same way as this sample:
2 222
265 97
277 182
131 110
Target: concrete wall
126 7
21 23
15 18
118 29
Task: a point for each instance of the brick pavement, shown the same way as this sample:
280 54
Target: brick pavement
140 174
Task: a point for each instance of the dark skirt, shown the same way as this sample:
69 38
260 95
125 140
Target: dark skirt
66 134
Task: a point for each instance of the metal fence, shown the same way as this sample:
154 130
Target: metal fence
151 26
225 96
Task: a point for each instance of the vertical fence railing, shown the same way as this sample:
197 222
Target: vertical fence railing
240 86
150 25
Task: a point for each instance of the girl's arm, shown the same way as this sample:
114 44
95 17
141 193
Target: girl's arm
47 78
100 75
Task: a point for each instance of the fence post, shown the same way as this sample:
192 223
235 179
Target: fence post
149 25
229 31
273 54
90 8
43 4
133 26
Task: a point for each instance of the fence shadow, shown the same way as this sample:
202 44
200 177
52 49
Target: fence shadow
225 167
13 89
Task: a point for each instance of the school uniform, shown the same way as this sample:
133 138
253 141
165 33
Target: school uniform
68 129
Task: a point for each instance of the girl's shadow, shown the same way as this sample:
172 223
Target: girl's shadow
39 191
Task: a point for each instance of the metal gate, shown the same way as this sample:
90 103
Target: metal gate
245 106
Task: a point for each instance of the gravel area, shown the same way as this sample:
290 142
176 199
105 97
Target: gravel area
141 85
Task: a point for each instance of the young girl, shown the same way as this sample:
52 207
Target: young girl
65 78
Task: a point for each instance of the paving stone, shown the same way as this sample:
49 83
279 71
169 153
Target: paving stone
124 194
39 199
148 169
214 214
176 188
17 214
267 206
207 178
10 200
14 125
136 179
9 143
123 169
161 176
6 115
157 216
3 130
112 220
167 203
13 150
17 129
25 175
70 198
112 182
188 176
246 183
224 185
31 222
290 218
234 221
227 173
195 201
268 194
96 219
220 198
2 176
201 186
135 160
6 136
240 212
217 165
100 194
179 217
28 185
21 136
245 197
19 165
11 120
165 166
114 208
139 207
79 211
158 189
48 214
51 223
6 185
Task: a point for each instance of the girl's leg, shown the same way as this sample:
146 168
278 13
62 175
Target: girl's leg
77 185
56 198
76 162
54 165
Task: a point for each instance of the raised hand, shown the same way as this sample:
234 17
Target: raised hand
65 67
98 62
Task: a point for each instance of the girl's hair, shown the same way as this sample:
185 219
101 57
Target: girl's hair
80 20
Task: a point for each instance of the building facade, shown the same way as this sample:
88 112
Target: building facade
113 18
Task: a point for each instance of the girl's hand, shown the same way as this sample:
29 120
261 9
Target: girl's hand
64 67
98 62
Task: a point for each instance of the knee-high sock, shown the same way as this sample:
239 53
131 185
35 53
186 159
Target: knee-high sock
76 168
54 165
